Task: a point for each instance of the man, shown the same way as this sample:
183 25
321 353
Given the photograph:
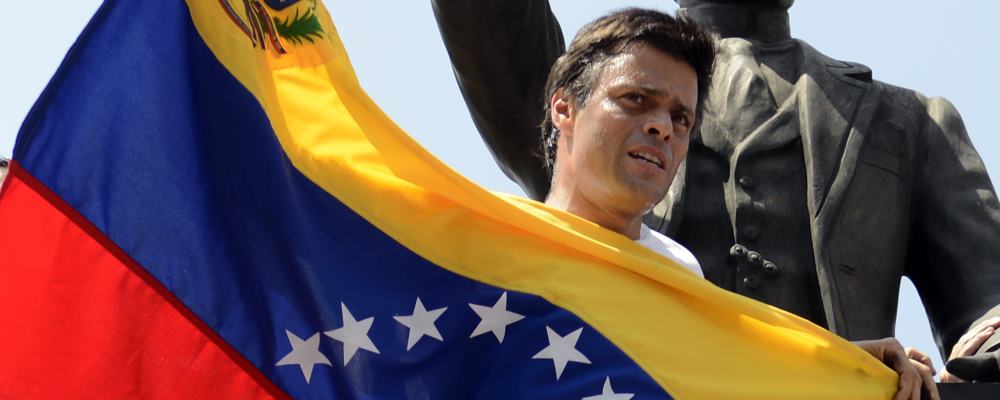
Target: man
623 101
4 165
808 185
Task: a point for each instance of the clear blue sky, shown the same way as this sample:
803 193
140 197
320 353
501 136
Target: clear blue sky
395 47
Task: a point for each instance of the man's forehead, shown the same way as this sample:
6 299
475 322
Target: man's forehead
650 70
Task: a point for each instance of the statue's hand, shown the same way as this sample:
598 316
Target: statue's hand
967 346
980 367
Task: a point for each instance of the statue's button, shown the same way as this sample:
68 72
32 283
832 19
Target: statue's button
736 253
751 233
751 282
754 258
746 182
770 268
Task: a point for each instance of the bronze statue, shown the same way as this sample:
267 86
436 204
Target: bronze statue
808 185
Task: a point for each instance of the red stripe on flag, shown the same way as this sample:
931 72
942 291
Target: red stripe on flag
80 319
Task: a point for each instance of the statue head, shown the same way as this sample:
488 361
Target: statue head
763 20
784 4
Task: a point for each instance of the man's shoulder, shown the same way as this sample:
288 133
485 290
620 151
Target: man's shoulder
669 248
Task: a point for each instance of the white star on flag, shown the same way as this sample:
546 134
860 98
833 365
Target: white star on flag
305 354
354 334
562 350
421 323
494 319
608 394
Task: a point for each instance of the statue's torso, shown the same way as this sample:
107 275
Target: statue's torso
746 168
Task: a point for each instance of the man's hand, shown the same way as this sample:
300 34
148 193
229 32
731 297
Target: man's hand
914 368
968 345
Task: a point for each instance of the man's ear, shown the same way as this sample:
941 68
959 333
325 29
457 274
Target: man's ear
562 111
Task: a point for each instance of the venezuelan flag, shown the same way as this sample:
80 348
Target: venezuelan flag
205 204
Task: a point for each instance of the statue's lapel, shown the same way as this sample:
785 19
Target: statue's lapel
837 101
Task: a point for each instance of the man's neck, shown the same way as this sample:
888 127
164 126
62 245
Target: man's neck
583 208
749 21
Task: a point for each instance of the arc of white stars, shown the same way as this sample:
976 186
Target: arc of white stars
609 394
421 323
562 350
354 334
494 319
305 354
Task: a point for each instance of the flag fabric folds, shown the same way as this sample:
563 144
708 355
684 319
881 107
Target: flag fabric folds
205 203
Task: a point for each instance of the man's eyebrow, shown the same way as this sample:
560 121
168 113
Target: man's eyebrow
655 92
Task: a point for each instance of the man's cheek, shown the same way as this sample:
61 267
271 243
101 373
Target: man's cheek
682 150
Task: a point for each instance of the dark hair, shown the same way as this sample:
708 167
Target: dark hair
576 71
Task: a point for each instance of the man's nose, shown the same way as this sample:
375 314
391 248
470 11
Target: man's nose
660 127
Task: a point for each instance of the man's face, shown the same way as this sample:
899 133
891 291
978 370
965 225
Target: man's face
624 145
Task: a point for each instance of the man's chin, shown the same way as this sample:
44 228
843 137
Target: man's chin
645 195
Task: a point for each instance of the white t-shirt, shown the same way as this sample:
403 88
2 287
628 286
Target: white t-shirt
655 241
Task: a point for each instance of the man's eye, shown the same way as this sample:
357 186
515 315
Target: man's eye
682 120
635 98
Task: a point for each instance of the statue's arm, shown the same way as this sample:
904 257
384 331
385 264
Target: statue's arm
954 258
501 52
